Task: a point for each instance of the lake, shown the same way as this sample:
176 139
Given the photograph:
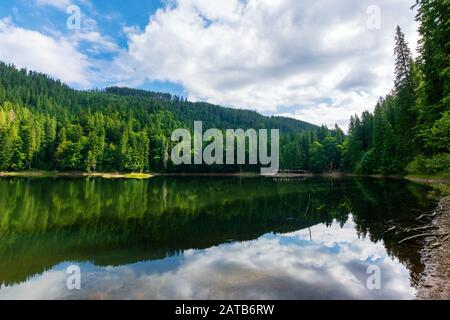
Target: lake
209 238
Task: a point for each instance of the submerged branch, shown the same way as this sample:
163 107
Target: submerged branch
307 207
423 235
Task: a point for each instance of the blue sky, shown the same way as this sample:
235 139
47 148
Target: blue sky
110 18
317 61
109 15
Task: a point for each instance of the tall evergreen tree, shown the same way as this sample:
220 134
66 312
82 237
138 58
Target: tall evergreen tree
406 117
403 62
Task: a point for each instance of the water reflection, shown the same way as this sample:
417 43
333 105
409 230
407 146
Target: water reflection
202 238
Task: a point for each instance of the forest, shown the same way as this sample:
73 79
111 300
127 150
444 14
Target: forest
46 125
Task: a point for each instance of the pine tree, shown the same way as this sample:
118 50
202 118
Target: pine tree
403 62
406 116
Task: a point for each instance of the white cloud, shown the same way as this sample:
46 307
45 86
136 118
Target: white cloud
268 55
97 42
56 56
60 4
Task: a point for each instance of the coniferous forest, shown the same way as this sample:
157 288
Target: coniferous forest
409 131
46 125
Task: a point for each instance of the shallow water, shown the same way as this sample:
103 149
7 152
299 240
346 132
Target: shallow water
208 238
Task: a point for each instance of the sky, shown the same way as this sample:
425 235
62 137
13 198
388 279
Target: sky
319 61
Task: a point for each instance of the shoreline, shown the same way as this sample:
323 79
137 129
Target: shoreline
75 174
435 282
428 180
133 175
147 175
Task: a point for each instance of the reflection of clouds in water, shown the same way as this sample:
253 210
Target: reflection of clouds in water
289 266
50 285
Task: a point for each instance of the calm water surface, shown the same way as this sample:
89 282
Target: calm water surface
208 238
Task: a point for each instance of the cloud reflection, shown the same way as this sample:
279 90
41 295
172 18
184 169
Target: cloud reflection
289 266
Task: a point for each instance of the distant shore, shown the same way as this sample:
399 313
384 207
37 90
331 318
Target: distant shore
132 175
123 175
429 179
76 174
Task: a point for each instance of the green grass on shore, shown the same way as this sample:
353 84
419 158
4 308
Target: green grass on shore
56 174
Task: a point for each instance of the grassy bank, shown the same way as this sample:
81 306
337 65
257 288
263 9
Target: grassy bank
430 179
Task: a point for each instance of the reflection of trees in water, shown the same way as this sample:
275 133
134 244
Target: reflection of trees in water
378 201
45 222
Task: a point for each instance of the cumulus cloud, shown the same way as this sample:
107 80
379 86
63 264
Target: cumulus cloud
318 58
59 4
97 42
56 56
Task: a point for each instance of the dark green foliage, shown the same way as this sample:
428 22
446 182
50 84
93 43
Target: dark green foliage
313 152
318 157
434 62
368 162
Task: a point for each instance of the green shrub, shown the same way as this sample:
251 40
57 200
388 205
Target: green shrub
436 165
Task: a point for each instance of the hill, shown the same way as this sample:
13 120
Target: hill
45 124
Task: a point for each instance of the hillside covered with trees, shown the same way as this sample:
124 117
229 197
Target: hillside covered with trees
44 124
409 131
